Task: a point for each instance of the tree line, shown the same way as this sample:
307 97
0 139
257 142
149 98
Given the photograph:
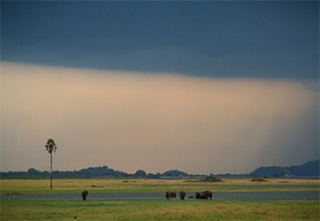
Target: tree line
93 172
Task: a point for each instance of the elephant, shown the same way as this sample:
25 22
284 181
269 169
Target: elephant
207 194
182 195
204 195
167 195
84 195
170 195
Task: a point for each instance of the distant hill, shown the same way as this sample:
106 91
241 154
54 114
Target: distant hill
309 169
174 173
92 172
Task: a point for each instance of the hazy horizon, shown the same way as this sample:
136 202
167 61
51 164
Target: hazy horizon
132 121
115 169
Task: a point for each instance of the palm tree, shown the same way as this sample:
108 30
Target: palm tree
51 147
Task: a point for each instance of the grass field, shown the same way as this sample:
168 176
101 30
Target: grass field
159 210
150 185
156 209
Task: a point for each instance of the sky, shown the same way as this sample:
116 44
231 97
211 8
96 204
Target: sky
203 87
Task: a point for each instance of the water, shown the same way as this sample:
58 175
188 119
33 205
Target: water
232 196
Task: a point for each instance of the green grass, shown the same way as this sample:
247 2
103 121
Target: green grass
160 210
149 185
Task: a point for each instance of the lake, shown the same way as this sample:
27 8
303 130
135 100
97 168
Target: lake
228 196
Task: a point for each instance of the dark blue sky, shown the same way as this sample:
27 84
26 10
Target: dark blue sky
219 39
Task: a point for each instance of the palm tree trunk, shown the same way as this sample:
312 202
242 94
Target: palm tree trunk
51 171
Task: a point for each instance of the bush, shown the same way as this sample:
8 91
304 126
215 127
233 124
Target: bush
258 179
211 179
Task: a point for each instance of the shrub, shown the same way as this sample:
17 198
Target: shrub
258 179
211 179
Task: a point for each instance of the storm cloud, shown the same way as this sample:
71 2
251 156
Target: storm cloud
155 122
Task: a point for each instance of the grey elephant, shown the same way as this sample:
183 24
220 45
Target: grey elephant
170 195
182 195
204 195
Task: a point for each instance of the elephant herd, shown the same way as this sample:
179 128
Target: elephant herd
198 195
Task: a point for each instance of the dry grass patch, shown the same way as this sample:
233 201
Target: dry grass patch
153 185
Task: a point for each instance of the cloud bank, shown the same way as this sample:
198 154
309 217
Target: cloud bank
155 122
